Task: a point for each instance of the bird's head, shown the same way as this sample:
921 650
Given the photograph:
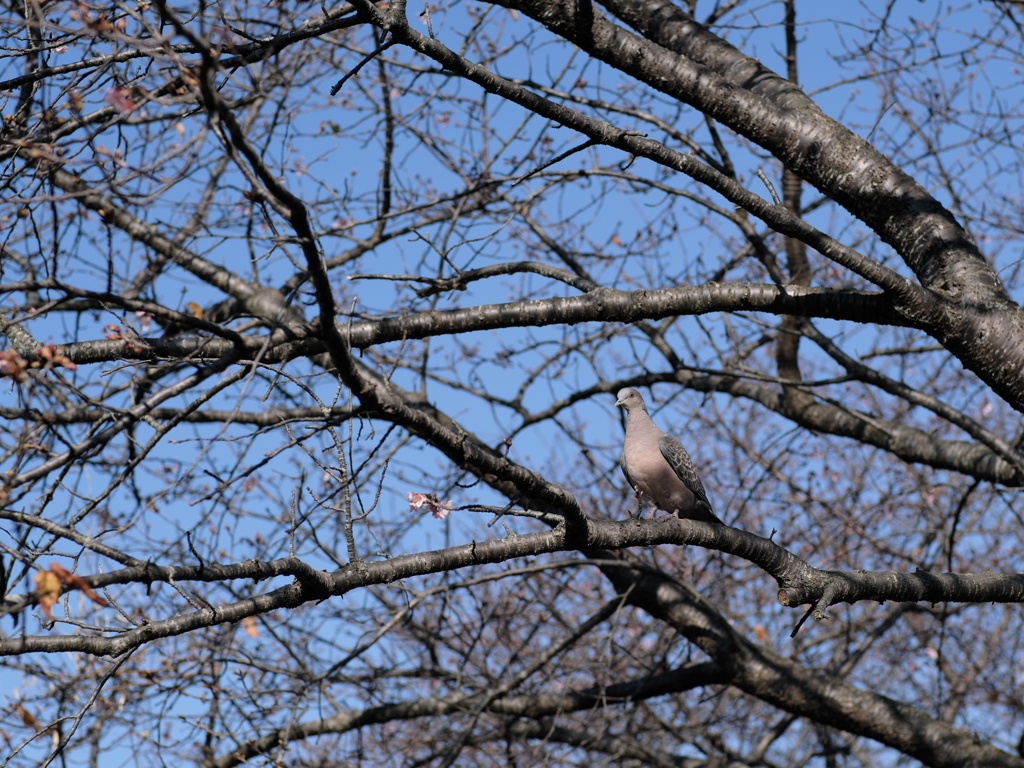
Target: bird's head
630 399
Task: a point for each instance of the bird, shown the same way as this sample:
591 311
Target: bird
657 467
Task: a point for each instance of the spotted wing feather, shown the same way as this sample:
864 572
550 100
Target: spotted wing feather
679 460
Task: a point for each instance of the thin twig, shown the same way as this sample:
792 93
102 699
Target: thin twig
552 161
366 60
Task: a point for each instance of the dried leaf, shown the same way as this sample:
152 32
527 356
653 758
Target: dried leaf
27 717
251 626
77 582
47 590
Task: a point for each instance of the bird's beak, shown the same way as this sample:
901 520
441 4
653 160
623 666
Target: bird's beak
619 402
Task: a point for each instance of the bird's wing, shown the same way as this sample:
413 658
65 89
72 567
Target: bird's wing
679 460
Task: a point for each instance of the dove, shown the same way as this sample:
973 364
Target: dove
657 467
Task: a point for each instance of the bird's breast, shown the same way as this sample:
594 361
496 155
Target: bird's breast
658 483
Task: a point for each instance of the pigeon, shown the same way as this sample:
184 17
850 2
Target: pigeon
657 467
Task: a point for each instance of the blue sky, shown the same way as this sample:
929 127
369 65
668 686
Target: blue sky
337 143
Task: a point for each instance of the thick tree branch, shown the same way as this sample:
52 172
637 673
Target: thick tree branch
742 93
605 304
965 306
805 692
799 582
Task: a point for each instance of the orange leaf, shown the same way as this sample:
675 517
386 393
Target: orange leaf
195 309
48 590
27 717
760 633
74 581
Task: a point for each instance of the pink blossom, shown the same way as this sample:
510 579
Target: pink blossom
439 509
120 99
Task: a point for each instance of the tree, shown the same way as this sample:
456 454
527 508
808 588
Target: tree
315 318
